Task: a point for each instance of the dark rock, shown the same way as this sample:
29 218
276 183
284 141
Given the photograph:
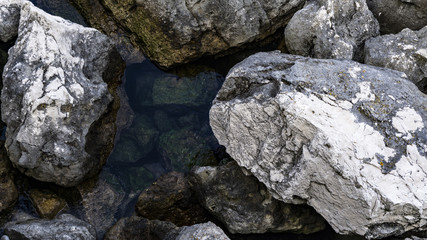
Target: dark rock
396 15
331 29
245 206
171 199
8 190
64 227
405 52
57 98
141 228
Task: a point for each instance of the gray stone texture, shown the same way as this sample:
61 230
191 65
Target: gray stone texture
64 227
348 139
9 19
205 231
59 80
396 15
244 204
331 29
405 52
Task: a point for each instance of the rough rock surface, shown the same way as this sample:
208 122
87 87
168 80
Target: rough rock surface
405 52
9 19
64 227
141 228
208 231
331 29
244 204
171 199
172 32
396 15
54 93
346 138
47 204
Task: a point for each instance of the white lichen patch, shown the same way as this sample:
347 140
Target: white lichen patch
365 93
407 121
354 71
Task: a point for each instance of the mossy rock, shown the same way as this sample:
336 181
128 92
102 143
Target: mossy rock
185 148
136 142
190 91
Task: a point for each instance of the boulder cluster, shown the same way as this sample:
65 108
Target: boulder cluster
329 132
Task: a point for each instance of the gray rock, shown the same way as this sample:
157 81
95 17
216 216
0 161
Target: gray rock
54 92
405 51
64 227
9 19
346 138
396 15
331 29
244 204
206 231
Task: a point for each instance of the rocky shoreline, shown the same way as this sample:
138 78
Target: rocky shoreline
324 139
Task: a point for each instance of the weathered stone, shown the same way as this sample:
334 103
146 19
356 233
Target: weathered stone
208 231
346 138
100 203
141 228
395 15
47 204
64 227
190 91
171 199
174 32
244 204
406 52
331 29
9 19
54 94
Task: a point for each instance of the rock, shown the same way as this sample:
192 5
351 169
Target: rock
346 138
331 29
8 190
101 202
183 148
176 32
244 204
63 227
208 231
136 178
395 15
406 52
171 199
141 228
56 103
47 204
9 19
137 141
190 91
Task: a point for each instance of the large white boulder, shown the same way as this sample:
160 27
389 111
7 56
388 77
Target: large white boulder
346 138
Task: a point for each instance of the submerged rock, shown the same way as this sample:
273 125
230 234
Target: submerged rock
56 103
346 138
244 204
171 199
174 32
396 15
331 29
47 204
405 51
63 227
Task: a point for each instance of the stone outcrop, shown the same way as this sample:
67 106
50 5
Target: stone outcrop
174 32
244 204
62 228
346 138
57 98
171 199
396 15
331 29
405 52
